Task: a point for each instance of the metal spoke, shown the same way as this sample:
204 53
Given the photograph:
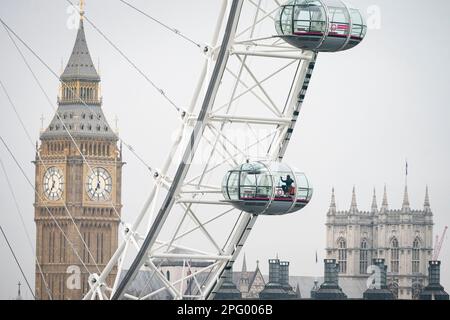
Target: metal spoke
190 189
255 85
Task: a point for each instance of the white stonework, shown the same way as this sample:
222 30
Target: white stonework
404 238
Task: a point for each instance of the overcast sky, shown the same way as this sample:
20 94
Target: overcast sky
367 110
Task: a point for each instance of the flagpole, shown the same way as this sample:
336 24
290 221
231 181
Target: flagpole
406 172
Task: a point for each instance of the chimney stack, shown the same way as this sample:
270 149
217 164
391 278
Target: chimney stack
284 273
434 273
378 290
434 290
331 271
274 289
228 290
329 289
274 271
284 279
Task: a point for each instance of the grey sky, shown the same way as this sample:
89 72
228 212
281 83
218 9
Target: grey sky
366 111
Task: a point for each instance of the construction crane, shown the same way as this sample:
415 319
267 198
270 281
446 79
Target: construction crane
438 244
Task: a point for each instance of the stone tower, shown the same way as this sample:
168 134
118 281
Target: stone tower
78 182
402 237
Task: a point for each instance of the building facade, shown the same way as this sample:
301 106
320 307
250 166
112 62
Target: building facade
78 184
250 283
403 238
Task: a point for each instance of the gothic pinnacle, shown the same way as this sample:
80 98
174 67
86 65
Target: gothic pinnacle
426 203
353 207
332 203
405 204
384 203
374 202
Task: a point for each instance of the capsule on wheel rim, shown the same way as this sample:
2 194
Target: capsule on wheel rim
266 188
320 25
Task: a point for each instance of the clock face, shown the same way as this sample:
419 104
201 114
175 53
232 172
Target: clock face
99 184
53 183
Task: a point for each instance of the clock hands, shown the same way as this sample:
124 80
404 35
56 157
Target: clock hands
98 181
53 183
99 185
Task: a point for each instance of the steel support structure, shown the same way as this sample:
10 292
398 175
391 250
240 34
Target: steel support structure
184 223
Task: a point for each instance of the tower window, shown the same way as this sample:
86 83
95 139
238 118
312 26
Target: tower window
416 256
91 116
395 256
342 255
83 116
363 257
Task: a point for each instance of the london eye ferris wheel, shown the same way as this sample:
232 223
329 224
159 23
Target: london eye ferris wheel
211 189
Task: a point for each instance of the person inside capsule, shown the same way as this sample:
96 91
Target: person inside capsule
267 188
287 186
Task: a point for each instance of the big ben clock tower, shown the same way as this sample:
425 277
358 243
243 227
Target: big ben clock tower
78 183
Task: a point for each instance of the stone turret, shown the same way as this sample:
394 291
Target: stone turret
426 203
384 204
332 209
405 203
353 206
374 206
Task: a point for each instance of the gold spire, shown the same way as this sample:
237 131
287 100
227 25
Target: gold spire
81 5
